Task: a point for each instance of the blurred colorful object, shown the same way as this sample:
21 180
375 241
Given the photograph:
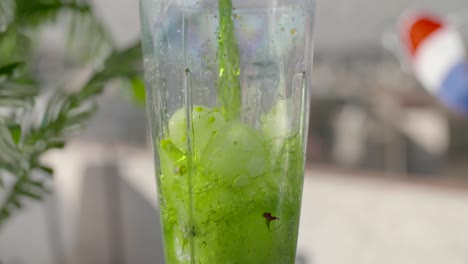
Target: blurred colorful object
436 52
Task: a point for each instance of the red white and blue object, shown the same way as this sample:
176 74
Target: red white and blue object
437 55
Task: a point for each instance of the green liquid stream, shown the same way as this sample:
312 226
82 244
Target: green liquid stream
229 91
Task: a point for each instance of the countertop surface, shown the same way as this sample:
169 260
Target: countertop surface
345 218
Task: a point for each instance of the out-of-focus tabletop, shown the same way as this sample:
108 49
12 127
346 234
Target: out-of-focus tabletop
345 218
370 220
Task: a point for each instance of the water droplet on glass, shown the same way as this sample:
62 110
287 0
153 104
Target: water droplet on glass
236 16
254 101
300 66
236 70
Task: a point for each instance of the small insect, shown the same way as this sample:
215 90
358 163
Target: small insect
269 218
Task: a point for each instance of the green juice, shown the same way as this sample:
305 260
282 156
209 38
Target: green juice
230 193
246 190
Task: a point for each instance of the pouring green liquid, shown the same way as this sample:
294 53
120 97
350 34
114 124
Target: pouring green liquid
245 183
229 90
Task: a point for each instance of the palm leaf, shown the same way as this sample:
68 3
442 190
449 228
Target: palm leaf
7 13
14 46
88 41
10 156
16 93
37 12
10 69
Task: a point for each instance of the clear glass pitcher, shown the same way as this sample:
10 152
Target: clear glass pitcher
228 100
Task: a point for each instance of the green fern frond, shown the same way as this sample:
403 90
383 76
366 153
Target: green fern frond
65 112
37 12
89 43
7 13
16 91
88 40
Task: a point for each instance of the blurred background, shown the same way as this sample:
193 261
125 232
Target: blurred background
387 164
